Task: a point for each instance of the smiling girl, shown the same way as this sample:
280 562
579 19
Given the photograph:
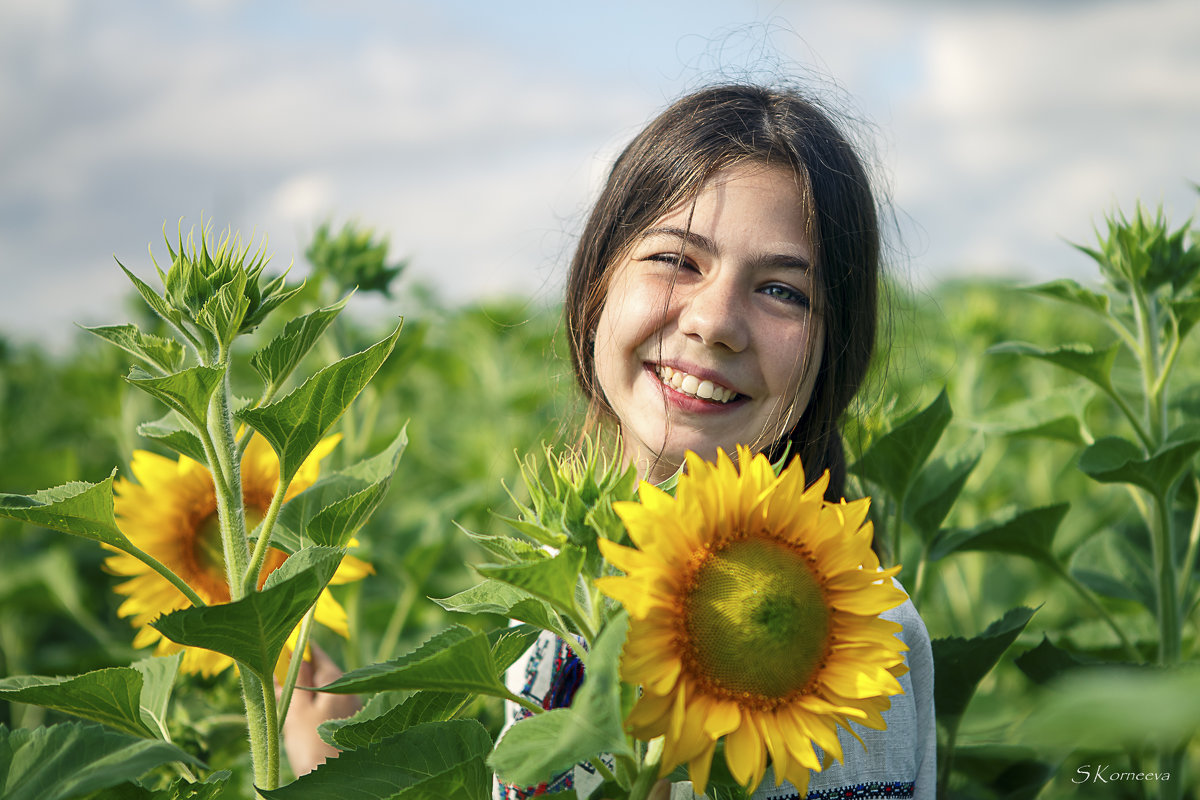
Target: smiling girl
724 292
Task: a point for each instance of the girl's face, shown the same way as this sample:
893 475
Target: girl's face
724 349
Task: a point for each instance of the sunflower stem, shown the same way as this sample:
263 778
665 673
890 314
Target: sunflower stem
648 773
162 569
265 529
256 725
525 703
271 719
603 770
289 682
1061 570
230 506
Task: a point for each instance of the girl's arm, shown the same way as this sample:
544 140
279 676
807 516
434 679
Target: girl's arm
306 750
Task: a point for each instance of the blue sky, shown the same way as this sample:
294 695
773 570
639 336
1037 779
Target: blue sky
474 133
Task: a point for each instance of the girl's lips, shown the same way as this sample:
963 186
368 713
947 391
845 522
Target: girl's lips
693 391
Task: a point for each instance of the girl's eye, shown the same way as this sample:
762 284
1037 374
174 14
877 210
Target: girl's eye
786 294
672 259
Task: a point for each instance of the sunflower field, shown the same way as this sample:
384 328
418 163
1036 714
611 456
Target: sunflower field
249 467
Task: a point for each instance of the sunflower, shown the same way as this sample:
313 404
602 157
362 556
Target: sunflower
171 513
754 608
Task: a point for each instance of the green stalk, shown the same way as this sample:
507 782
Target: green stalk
271 718
289 683
1168 593
266 528
524 702
256 725
230 507
156 565
1189 559
1087 594
391 635
648 772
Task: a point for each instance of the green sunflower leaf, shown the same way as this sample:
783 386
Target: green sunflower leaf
333 509
1159 708
1116 460
81 508
223 312
158 680
153 299
431 761
1058 416
298 421
1070 291
164 355
1082 359
894 459
454 660
938 485
170 431
187 391
254 629
961 664
279 357
495 597
1028 533
417 708
108 696
551 579
72 759
1047 661
540 746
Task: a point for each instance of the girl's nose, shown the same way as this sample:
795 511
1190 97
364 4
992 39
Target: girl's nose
714 314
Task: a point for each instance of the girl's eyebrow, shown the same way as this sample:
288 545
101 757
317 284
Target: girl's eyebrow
707 245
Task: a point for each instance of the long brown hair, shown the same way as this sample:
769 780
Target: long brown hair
669 162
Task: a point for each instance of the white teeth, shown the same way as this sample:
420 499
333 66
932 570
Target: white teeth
690 384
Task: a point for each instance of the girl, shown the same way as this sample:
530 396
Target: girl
724 292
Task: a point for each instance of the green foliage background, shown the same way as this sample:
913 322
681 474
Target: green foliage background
479 384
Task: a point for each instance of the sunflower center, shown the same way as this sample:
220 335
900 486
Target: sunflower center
756 621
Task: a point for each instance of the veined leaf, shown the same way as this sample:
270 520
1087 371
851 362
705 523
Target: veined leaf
495 597
1047 661
72 759
435 760
333 509
254 629
938 485
372 725
1057 416
223 312
1028 533
1070 291
551 579
418 708
84 509
170 431
1116 460
536 748
1095 365
297 422
454 660
187 391
894 458
280 357
508 548
158 679
1159 708
109 696
165 355
153 299
961 664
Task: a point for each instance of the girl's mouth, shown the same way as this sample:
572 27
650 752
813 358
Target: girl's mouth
692 386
